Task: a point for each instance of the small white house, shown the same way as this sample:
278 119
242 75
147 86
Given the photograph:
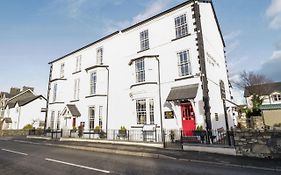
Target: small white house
169 71
22 109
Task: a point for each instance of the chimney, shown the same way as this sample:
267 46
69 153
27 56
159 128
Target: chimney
24 88
14 91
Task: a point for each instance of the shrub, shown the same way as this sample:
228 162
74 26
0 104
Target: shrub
28 127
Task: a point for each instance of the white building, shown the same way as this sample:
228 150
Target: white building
22 109
170 65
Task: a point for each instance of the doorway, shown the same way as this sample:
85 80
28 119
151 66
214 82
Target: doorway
188 119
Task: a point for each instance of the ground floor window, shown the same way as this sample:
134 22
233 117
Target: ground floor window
58 120
100 116
91 118
52 122
141 111
151 111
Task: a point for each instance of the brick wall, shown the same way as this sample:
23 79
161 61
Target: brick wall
258 143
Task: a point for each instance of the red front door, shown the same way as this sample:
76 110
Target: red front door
188 119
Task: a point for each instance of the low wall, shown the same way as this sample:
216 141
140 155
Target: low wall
13 133
258 143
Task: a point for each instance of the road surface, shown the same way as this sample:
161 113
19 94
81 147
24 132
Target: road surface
18 158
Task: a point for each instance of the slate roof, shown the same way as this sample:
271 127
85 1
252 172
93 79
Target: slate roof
73 110
263 89
24 101
7 95
183 92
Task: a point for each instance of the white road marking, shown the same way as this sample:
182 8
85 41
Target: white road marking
15 152
76 165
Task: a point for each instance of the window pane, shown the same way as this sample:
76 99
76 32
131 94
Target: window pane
141 111
181 26
184 63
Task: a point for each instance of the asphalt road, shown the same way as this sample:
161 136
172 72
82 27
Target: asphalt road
33 159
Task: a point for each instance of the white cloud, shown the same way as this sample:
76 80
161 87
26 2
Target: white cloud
151 9
273 12
232 35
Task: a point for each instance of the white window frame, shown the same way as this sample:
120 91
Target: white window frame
141 111
55 90
78 63
140 70
99 56
76 89
276 97
151 111
58 121
92 115
100 116
184 65
93 83
144 40
181 26
62 67
52 120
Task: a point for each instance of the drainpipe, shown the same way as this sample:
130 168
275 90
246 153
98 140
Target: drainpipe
48 96
107 99
160 103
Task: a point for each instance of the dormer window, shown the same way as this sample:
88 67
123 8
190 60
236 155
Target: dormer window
276 97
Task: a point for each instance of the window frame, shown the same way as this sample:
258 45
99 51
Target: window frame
140 70
55 89
62 67
93 83
141 112
181 26
276 97
78 63
100 116
144 40
151 111
99 56
52 120
76 89
92 117
184 65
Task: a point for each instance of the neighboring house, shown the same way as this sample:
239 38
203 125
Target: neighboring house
165 71
271 107
22 109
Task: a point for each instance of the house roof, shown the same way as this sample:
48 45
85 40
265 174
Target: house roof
28 100
23 100
271 107
7 95
262 89
73 110
143 22
183 92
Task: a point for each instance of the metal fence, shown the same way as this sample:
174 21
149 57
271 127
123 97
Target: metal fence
171 138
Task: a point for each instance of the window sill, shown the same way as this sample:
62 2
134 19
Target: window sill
181 37
96 66
57 79
74 100
96 95
184 77
76 72
143 50
57 102
142 83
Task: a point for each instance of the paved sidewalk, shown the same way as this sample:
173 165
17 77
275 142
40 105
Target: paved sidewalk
188 156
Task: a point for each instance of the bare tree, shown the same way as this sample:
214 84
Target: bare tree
254 83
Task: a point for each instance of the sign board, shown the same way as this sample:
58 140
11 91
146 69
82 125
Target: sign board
169 114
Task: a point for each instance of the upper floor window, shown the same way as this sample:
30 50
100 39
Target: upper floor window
55 92
62 70
100 56
141 111
93 83
181 26
184 63
78 63
144 40
276 97
140 70
76 89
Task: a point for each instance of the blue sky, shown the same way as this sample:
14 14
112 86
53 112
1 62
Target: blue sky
35 32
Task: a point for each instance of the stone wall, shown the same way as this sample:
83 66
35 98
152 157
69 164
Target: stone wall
258 143
13 133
